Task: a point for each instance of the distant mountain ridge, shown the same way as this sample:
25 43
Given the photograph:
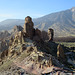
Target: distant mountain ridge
10 23
62 22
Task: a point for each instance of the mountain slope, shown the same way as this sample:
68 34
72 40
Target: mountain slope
62 22
10 23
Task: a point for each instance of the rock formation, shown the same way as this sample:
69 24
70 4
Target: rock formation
44 35
18 28
37 35
11 41
28 26
50 34
29 30
20 36
17 39
3 45
60 52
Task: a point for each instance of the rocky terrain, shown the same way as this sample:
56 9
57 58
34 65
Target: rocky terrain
31 53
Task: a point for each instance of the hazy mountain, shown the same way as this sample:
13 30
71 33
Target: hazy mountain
62 22
10 23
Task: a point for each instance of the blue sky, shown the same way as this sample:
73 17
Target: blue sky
19 9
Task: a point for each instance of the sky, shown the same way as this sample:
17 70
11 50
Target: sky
19 9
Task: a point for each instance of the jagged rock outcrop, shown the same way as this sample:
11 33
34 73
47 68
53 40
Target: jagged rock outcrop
4 45
23 47
17 28
3 54
11 41
28 26
37 35
44 35
50 34
38 32
17 39
60 53
20 37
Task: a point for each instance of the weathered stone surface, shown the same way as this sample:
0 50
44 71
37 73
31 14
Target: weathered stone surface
11 41
50 34
23 48
18 28
16 39
3 54
29 49
60 52
3 45
28 26
38 32
20 38
44 35
37 35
